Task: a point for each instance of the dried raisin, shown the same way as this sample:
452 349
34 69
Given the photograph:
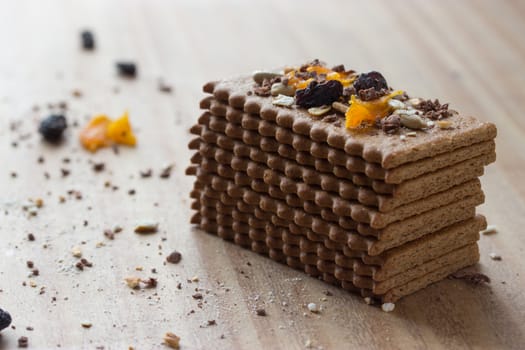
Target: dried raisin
53 127
127 69
88 40
319 94
5 319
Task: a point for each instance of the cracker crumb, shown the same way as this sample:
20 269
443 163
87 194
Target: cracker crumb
172 340
388 307
147 226
495 256
313 307
132 282
77 253
489 230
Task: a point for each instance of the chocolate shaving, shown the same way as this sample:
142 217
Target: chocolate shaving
434 110
371 94
391 124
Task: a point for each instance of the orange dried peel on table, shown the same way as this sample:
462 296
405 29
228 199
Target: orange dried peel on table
101 131
361 112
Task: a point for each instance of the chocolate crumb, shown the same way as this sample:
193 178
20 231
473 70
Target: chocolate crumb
197 296
30 237
127 69
98 167
212 322
166 172
163 87
132 192
146 173
65 172
174 257
30 264
391 124
23 342
260 312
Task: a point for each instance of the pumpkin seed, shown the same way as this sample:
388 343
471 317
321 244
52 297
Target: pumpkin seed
259 76
283 100
414 101
281 89
412 121
409 111
340 107
319 111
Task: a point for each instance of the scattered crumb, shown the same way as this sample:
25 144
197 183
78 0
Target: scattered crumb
77 253
489 230
23 342
174 257
172 340
147 227
313 307
495 256
166 171
133 282
368 301
475 278
388 307
260 312
86 324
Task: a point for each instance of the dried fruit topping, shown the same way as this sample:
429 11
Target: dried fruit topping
301 77
368 111
101 131
369 80
5 319
53 127
319 94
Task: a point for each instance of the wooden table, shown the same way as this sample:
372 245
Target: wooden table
470 53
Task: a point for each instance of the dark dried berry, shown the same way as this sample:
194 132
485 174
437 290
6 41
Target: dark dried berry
88 40
370 80
53 127
127 69
5 319
319 94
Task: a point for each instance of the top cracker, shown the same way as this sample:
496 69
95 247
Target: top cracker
357 113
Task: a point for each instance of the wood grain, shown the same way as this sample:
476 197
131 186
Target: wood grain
470 53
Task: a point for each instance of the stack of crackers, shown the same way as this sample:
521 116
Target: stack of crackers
380 213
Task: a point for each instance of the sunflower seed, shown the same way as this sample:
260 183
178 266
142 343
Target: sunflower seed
281 89
412 121
340 107
318 111
283 100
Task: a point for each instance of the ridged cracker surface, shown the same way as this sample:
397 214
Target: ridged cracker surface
389 152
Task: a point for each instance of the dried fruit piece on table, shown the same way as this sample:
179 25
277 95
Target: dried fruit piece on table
368 111
127 69
88 40
5 319
53 127
319 94
101 131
